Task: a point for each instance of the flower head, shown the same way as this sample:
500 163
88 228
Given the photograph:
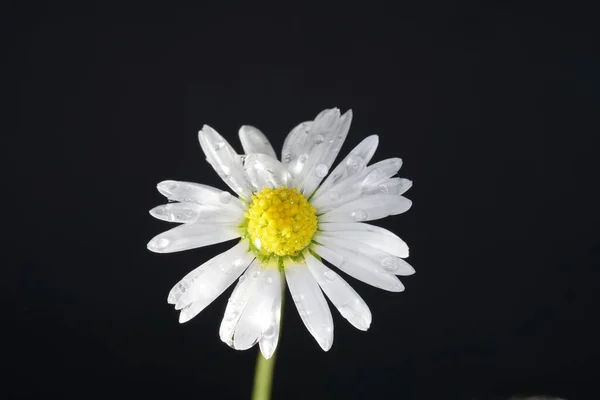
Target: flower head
290 216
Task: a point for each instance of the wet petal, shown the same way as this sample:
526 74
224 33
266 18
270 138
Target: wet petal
191 236
344 298
357 185
397 186
354 163
261 316
311 304
213 281
188 192
189 213
184 284
294 142
225 161
238 301
319 162
371 235
254 141
368 208
358 266
311 143
265 171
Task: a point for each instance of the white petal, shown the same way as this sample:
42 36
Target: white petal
294 141
368 234
311 304
358 266
381 171
368 208
191 236
320 161
357 185
354 163
189 213
254 141
215 278
381 245
188 192
238 301
225 161
184 284
397 186
265 171
344 298
261 316
302 155
390 263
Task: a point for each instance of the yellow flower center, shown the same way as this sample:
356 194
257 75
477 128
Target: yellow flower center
280 222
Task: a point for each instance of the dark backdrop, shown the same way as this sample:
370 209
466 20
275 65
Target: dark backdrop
491 109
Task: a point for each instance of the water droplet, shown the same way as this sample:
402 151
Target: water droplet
225 169
269 332
226 268
330 276
334 196
219 145
268 280
383 188
255 274
225 197
321 170
359 215
354 164
231 315
302 159
160 244
303 313
242 278
286 157
319 139
389 264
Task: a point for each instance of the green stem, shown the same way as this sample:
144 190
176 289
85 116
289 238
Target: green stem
263 375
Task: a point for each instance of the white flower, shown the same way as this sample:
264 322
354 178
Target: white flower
287 220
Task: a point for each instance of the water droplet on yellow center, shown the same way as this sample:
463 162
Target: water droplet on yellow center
280 222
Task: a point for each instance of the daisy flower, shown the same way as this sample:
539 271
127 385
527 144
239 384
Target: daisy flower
289 215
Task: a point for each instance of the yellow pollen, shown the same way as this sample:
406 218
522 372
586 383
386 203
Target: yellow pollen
280 222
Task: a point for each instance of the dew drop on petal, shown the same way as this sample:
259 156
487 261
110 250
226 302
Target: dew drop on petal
225 197
219 145
242 278
334 196
302 159
269 332
231 315
286 157
226 170
389 264
160 244
268 280
359 215
330 276
354 164
255 274
319 139
321 170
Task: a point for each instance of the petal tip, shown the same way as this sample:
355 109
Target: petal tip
158 244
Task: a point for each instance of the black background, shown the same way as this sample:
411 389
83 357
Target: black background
491 108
